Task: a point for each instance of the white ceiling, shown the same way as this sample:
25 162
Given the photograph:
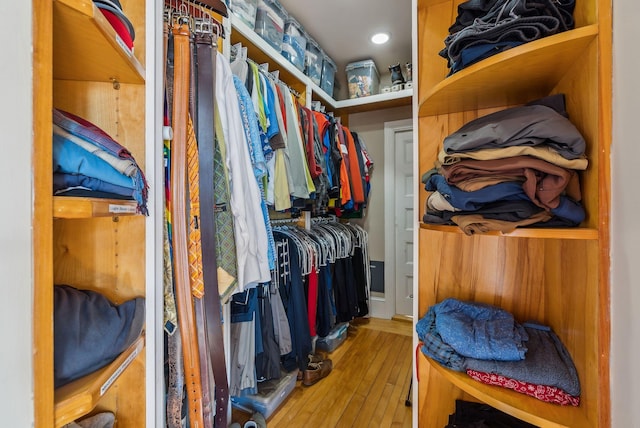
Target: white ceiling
343 29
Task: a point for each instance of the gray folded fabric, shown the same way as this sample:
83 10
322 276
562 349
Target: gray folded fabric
90 331
547 362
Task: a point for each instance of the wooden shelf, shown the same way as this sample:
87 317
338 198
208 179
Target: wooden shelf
81 396
515 76
261 52
519 405
87 48
80 207
579 233
375 102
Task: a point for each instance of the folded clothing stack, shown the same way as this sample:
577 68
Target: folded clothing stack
88 162
90 331
112 10
486 343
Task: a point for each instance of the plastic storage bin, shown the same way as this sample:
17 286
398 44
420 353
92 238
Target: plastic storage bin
313 61
270 20
328 74
294 43
363 78
270 395
245 11
334 339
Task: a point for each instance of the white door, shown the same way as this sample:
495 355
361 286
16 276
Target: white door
403 205
397 298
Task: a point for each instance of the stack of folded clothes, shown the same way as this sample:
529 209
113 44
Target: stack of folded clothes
90 331
486 27
491 347
112 10
88 162
515 167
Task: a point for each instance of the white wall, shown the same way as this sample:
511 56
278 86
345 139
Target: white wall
16 380
625 248
370 126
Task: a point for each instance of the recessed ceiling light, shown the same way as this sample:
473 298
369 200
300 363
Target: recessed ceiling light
380 38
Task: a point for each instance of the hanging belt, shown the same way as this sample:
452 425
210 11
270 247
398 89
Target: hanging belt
184 299
205 131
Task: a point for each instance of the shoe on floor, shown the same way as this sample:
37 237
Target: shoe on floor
316 371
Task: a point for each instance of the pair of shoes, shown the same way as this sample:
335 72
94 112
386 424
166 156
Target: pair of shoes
316 371
256 421
318 357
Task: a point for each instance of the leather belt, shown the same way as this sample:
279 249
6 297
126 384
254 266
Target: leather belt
205 131
184 299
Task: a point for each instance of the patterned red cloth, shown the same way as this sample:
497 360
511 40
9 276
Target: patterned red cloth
550 394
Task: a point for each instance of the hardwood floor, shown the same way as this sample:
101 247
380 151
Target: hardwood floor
367 387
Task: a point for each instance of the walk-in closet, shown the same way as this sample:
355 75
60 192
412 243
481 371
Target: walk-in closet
291 213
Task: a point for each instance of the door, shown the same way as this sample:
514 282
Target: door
397 298
403 205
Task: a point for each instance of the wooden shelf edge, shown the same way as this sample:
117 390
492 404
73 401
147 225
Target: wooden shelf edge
131 71
375 102
515 57
81 207
523 232
81 396
519 405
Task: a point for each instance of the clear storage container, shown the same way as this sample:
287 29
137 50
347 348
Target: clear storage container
245 11
363 78
271 394
270 20
294 43
313 61
334 339
328 75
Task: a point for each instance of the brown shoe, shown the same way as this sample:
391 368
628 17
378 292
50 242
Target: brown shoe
316 371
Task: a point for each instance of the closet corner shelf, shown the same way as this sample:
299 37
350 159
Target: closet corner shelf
87 48
81 396
261 52
519 405
512 77
580 233
375 102
80 207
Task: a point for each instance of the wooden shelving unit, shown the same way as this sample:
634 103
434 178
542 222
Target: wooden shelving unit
534 411
81 33
81 66
557 277
81 396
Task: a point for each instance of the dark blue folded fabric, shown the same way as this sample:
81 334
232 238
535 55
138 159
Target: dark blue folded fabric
90 331
471 201
433 346
66 183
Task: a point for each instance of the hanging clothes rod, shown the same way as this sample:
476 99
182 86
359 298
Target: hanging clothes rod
195 12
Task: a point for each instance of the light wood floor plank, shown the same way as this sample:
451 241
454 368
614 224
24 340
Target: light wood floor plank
367 387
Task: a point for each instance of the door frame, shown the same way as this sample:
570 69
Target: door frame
385 306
